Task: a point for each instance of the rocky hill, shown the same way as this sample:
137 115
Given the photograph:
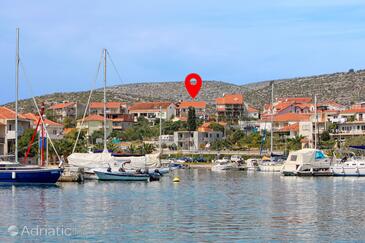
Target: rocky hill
344 87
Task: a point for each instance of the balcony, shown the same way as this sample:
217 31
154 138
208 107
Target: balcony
10 135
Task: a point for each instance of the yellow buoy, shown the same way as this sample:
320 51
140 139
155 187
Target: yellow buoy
176 179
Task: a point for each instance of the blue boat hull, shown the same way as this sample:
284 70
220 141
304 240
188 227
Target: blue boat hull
41 176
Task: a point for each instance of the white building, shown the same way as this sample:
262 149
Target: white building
7 130
151 110
195 140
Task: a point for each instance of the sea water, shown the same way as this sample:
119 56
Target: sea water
203 207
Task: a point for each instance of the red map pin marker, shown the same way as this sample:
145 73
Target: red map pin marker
193 89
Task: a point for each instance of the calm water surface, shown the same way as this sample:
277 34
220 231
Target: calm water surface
203 207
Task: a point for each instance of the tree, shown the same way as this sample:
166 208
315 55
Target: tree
192 123
295 143
132 149
325 136
65 146
216 127
24 142
95 135
69 123
146 148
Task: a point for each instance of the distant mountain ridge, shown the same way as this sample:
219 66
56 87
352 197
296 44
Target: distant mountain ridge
343 87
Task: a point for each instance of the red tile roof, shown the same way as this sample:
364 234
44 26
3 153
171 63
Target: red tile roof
296 99
68 130
149 106
283 105
126 118
230 99
6 113
195 104
34 118
62 105
304 105
356 110
110 105
94 118
293 127
287 117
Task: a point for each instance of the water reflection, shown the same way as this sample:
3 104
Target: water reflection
204 207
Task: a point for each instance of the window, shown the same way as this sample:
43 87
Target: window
293 158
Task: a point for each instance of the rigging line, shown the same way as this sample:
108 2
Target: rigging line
88 101
114 66
36 105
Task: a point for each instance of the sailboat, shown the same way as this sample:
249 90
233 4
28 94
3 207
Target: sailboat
14 172
91 162
274 163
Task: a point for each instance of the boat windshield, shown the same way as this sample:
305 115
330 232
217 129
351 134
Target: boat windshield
320 155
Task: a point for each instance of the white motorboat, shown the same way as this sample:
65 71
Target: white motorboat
270 164
307 162
237 159
224 165
252 165
352 167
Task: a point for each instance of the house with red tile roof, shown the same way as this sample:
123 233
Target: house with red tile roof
231 107
285 124
182 109
93 123
123 122
72 110
151 110
350 122
252 112
113 109
54 129
7 129
290 105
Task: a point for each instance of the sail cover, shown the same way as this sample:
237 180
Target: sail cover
97 160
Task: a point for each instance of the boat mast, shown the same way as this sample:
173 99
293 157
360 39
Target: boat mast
105 147
160 142
272 119
315 122
16 94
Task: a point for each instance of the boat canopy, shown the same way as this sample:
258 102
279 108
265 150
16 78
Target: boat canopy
306 156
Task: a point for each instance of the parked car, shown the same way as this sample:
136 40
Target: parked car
200 159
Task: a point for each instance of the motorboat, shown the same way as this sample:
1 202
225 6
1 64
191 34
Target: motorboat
237 159
252 164
307 162
121 176
352 167
271 164
224 164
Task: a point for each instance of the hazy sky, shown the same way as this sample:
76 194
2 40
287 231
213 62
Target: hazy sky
235 41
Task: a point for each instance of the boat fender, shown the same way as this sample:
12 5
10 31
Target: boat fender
13 175
176 179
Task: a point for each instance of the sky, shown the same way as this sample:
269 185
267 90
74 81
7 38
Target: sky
162 40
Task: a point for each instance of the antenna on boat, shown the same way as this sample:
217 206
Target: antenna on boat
16 93
105 147
272 118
